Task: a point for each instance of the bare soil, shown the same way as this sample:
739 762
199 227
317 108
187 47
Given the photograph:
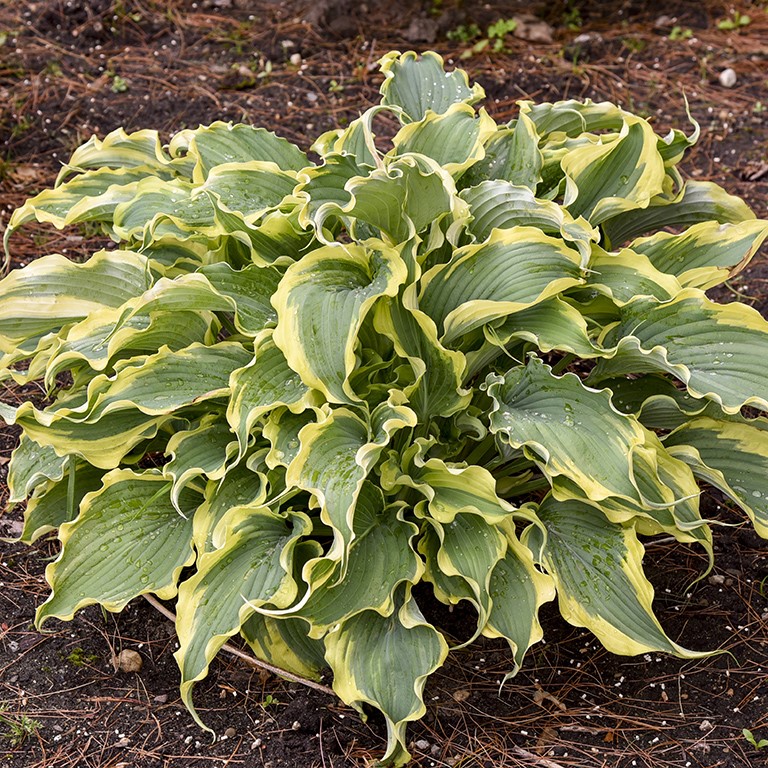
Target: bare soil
70 68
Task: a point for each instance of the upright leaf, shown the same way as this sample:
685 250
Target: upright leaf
251 569
321 303
385 661
419 84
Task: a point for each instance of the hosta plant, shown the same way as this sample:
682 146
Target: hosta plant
474 362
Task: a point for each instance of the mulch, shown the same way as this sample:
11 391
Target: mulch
71 68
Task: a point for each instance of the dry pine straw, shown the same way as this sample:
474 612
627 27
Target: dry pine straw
573 704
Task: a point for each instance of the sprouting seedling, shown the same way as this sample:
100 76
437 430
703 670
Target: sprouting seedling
18 727
735 22
751 739
680 33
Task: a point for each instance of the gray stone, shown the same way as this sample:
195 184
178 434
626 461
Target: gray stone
727 78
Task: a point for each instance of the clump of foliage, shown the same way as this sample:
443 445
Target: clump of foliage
735 22
493 41
16 728
478 361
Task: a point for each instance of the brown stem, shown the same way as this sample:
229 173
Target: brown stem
252 660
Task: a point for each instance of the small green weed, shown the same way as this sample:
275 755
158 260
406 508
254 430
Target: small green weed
121 12
751 739
264 69
572 19
7 167
52 69
17 727
464 33
634 44
680 33
492 41
119 84
501 28
236 39
23 124
736 21
79 657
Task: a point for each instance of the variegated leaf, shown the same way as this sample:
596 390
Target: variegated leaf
118 149
31 465
706 254
284 643
204 450
265 383
596 566
517 590
252 568
241 486
380 558
454 139
127 540
697 202
220 143
714 349
56 502
731 456
511 154
417 85
321 303
575 431
385 661
53 292
614 176
478 285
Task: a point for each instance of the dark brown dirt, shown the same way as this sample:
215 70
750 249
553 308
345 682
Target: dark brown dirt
184 63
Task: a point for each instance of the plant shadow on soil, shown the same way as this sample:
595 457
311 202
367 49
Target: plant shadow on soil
62 703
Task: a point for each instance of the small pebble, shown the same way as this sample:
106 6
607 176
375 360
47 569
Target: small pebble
296 726
705 725
295 59
230 733
127 661
161 698
716 578
422 744
311 96
727 78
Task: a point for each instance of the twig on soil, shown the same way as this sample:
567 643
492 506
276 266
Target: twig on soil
252 660
546 762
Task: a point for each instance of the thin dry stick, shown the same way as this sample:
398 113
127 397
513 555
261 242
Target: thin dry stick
536 759
252 660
